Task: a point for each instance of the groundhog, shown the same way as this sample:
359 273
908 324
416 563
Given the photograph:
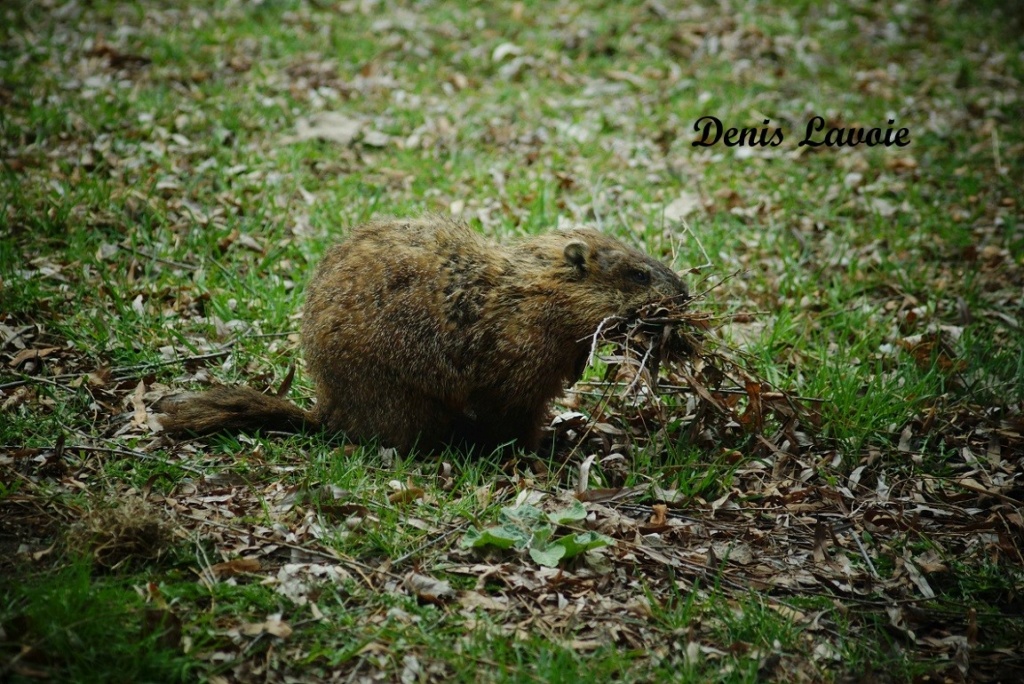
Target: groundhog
422 333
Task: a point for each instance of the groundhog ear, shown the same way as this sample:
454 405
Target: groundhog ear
576 254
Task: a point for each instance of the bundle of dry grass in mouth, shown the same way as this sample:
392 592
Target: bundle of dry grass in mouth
667 331
672 349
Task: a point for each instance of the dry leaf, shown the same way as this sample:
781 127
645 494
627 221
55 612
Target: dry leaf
273 625
330 126
682 207
139 418
406 495
426 588
31 355
237 566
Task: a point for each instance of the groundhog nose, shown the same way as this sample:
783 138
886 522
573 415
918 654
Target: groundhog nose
674 285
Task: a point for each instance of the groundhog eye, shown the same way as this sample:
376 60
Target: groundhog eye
640 276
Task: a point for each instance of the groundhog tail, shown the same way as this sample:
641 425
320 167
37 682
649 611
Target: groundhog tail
232 408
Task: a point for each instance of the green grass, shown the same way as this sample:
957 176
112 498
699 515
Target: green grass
85 629
152 210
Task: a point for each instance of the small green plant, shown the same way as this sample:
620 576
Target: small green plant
528 527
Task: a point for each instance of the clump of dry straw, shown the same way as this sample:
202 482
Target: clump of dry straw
121 531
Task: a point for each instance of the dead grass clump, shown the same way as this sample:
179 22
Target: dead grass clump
120 532
668 361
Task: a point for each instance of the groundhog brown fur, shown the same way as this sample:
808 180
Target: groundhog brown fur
422 333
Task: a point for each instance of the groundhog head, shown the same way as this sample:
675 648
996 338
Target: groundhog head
623 279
